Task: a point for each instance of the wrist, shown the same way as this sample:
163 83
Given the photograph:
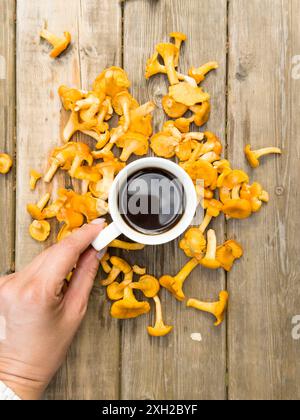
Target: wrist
24 388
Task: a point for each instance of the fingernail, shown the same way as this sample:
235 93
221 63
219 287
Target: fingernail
101 254
98 222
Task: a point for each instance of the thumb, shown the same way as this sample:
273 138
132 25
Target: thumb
82 281
54 264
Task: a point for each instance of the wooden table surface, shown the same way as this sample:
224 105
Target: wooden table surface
255 99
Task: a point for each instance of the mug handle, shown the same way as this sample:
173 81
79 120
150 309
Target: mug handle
107 235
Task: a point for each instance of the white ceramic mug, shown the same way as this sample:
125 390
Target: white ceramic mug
119 225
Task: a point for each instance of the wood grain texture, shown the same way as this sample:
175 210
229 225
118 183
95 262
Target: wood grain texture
90 371
175 367
264 287
7 133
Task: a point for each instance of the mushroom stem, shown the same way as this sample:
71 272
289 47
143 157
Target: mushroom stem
267 151
114 273
43 201
158 311
235 194
51 38
51 171
206 221
126 113
159 329
126 245
186 270
128 277
104 263
215 308
139 270
210 157
144 109
196 153
211 245
85 186
128 151
99 154
75 165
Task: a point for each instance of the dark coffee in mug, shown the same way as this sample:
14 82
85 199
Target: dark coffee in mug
152 201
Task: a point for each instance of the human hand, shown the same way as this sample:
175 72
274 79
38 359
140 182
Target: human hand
41 320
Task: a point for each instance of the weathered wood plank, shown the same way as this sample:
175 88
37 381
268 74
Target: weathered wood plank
7 132
175 367
263 106
89 372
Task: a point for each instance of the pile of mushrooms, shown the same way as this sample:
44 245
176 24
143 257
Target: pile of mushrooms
227 191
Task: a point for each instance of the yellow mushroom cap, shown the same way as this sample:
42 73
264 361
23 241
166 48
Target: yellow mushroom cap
228 253
5 163
129 307
149 285
202 170
163 145
215 308
237 209
40 230
193 243
187 94
172 108
160 329
233 178
59 44
201 113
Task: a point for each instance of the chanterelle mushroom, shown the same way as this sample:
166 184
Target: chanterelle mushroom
172 108
202 170
128 246
111 81
35 210
115 291
129 307
216 308
108 169
164 145
237 207
179 38
119 266
5 163
149 285
175 284
210 260
133 143
34 178
201 113
199 73
69 157
59 44
39 230
194 243
123 102
187 94
70 97
253 156
169 52
255 195
159 329
228 253
140 119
